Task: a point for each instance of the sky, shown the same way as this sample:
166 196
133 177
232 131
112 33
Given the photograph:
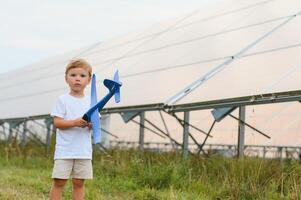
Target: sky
32 30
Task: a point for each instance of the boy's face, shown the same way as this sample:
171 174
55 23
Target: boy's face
77 79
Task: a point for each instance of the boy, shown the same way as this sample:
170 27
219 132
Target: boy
73 149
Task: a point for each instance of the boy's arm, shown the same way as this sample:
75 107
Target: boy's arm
65 124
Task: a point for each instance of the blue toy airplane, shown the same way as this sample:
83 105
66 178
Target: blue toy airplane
92 114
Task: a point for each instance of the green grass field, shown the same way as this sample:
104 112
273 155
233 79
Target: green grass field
25 174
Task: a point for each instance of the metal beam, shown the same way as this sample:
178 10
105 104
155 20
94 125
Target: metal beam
148 107
241 132
204 142
172 141
141 132
3 131
183 122
13 125
248 125
185 135
23 140
147 128
48 123
239 101
230 102
166 129
8 120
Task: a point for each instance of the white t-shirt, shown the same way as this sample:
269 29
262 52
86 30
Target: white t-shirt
72 143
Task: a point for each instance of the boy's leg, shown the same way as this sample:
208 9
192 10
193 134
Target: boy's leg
57 188
82 169
60 174
78 186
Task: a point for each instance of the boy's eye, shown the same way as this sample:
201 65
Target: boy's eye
73 75
83 75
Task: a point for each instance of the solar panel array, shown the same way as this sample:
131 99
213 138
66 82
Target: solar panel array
233 49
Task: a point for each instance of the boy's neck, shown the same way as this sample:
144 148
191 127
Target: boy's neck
77 94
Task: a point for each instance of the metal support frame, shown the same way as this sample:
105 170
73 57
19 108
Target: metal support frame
183 122
147 128
3 129
204 142
141 132
280 150
172 141
105 125
185 135
35 137
48 122
248 125
23 140
264 152
166 129
259 99
13 125
241 132
10 134
109 133
130 117
240 101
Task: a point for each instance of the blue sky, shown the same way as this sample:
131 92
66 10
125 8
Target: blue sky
32 30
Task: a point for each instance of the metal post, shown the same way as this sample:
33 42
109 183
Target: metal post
241 132
23 140
141 132
105 126
167 131
280 153
185 134
3 128
48 122
264 152
13 125
10 133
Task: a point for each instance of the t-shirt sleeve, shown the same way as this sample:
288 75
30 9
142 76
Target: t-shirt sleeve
59 109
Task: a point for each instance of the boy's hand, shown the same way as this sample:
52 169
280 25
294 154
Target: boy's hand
80 123
90 126
65 124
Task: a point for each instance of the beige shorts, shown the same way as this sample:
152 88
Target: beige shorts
75 168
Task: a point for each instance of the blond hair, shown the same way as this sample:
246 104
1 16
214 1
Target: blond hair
79 63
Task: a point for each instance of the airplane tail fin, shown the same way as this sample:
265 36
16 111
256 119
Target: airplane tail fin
114 86
117 93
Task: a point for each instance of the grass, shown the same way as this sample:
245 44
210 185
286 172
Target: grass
25 174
